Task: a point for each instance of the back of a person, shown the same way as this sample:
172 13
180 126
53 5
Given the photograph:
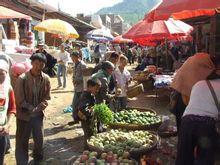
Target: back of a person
201 101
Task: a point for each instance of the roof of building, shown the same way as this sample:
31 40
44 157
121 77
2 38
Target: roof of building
67 17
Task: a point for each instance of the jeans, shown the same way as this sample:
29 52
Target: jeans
74 104
23 132
3 145
200 133
61 70
121 103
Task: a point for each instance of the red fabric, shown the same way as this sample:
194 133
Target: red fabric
183 9
158 30
6 13
12 105
144 42
119 39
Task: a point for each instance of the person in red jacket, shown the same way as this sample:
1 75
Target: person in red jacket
7 107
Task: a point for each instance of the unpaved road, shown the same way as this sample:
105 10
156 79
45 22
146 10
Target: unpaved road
63 143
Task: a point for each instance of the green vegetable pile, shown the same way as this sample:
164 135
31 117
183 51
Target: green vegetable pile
134 116
103 113
119 141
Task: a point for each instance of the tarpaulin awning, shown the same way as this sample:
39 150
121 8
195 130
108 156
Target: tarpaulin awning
6 13
182 9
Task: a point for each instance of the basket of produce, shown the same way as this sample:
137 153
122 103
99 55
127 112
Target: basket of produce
88 71
117 141
136 120
135 91
142 109
104 158
142 76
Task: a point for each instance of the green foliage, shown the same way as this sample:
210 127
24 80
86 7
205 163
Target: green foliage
103 113
131 10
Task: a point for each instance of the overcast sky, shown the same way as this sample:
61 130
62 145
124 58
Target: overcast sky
82 6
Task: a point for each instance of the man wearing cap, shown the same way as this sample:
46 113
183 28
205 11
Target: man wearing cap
32 92
63 58
51 61
7 107
77 80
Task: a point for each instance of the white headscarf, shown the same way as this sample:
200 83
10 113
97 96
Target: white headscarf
4 87
4 65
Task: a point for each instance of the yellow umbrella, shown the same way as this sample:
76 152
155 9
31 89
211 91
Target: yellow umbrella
57 26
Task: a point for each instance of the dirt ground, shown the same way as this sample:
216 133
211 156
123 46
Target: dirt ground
63 143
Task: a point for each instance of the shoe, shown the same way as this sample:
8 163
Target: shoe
59 86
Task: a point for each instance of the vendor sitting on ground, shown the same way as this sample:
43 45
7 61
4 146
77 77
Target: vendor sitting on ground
86 101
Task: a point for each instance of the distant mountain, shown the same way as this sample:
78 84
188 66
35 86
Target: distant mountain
131 10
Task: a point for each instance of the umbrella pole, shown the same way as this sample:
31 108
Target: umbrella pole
166 46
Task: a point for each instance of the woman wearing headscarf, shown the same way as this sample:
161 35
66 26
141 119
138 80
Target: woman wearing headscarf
7 107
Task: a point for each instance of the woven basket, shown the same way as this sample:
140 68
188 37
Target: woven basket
135 91
153 127
94 148
133 153
141 109
144 150
88 71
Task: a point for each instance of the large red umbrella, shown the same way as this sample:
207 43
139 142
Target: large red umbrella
144 42
119 39
183 9
158 29
6 13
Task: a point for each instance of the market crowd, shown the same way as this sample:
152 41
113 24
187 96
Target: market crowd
195 99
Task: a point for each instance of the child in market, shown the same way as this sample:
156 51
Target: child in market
122 78
84 105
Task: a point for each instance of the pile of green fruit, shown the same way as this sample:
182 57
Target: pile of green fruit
119 141
136 117
104 158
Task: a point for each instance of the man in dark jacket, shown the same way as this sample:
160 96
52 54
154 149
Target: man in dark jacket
51 61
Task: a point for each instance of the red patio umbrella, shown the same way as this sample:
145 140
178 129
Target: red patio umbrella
182 9
6 13
144 42
158 30
150 42
119 39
